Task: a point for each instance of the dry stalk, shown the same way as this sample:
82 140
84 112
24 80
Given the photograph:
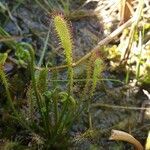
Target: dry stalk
96 105
123 136
147 145
125 11
137 16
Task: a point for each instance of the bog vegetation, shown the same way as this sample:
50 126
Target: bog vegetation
57 99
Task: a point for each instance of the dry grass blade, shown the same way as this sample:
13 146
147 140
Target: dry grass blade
125 11
147 145
137 16
13 38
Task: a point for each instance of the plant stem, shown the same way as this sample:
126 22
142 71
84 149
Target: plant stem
39 99
6 85
44 49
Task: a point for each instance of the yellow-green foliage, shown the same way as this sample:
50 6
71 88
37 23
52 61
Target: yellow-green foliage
89 71
98 67
3 78
42 83
94 70
63 31
3 57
